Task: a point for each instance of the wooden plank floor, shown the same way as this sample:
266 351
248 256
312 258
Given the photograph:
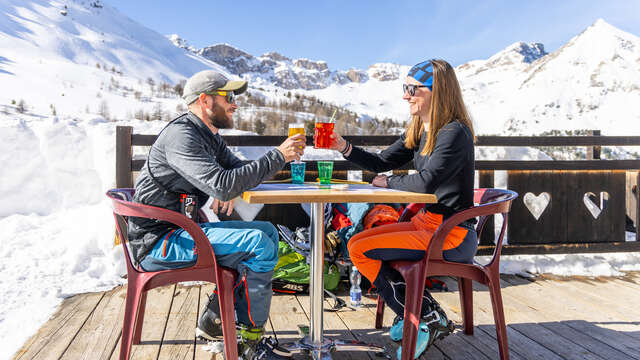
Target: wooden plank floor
548 318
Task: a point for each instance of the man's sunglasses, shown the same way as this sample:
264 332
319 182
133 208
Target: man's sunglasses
411 88
228 95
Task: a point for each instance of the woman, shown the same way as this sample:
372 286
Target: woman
439 139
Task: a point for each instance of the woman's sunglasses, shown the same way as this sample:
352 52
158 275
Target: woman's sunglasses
411 88
228 95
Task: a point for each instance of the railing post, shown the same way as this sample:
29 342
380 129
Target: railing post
593 152
486 179
636 196
124 175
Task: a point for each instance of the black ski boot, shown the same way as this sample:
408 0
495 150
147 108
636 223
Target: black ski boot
210 323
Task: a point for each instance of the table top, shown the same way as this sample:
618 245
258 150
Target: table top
315 193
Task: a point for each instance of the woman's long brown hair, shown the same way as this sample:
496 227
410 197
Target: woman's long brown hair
447 105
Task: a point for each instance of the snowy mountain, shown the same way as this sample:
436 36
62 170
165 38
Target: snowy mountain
592 82
589 83
279 70
74 56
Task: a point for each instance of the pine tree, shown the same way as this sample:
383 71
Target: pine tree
259 127
21 107
103 110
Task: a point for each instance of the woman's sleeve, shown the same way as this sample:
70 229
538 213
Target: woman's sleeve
390 158
450 154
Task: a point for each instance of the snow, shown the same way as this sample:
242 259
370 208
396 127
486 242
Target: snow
57 226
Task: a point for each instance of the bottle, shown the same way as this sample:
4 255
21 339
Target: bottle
355 293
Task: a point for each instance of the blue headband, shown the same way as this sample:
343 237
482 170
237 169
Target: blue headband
423 72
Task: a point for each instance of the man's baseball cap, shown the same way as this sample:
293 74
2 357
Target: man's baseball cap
208 81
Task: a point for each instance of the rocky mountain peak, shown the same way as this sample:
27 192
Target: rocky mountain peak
275 56
311 65
384 71
235 60
180 42
517 53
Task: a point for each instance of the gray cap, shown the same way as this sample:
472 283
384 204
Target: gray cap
207 81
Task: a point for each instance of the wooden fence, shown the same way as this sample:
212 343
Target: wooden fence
588 202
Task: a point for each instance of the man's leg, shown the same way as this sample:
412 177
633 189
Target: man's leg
252 249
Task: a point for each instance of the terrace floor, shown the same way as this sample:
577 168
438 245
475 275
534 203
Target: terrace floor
547 318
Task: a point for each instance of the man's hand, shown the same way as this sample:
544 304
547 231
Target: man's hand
293 147
222 206
380 181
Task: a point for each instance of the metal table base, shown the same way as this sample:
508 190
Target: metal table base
315 343
323 350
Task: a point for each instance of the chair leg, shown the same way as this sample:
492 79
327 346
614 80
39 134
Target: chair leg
140 318
414 278
498 316
227 313
466 301
130 313
379 313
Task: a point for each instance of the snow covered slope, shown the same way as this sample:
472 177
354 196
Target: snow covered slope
75 55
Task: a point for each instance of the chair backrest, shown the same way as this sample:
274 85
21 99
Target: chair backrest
122 227
488 196
123 207
488 202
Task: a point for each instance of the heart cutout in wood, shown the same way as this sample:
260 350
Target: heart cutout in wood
595 205
536 204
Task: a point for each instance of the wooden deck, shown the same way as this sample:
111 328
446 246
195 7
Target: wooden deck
549 318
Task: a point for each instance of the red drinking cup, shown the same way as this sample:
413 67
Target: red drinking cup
321 135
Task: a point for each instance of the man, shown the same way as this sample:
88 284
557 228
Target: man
190 162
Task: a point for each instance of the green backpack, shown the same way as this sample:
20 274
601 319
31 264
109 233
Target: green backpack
291 274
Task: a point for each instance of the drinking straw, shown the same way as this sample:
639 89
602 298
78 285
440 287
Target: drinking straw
334 114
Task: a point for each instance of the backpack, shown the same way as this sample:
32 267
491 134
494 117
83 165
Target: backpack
291 274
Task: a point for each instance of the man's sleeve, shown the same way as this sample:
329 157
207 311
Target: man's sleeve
448 158
227 158
187 156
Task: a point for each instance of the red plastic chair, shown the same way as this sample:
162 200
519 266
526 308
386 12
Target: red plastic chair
140 281
490 202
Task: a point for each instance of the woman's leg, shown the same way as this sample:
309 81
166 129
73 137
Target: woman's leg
371 253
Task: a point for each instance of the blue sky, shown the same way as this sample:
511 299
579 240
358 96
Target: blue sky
355 34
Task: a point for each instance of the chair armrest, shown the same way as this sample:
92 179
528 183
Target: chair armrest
206 257
434 251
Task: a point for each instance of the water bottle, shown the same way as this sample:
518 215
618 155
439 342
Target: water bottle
355 293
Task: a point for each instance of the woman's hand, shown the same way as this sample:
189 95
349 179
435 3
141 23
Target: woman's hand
337 142
380 181
221 206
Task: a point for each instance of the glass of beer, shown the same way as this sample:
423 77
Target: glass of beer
296 129
321 135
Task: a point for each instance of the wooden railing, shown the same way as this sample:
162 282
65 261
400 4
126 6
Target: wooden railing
566 225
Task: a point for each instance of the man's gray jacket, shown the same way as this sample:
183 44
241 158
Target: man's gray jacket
188 158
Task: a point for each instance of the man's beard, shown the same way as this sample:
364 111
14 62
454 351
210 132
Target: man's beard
219 118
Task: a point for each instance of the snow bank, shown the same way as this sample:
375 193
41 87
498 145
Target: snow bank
57 237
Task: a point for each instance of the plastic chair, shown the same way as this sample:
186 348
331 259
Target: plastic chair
490 202
140 281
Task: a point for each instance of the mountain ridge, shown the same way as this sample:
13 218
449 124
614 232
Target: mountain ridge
74 58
